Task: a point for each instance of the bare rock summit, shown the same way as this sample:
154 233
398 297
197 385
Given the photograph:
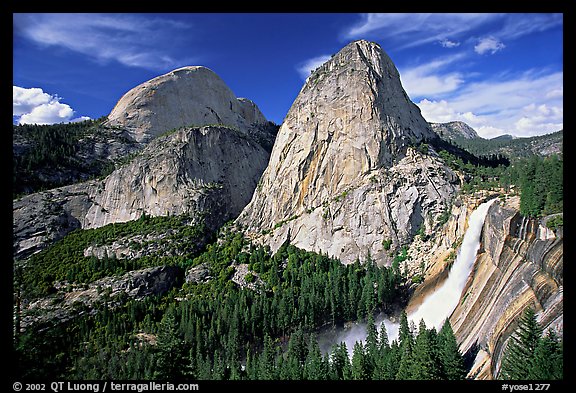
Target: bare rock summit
345 173
188 96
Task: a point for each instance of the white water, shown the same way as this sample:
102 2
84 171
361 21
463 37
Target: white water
439 305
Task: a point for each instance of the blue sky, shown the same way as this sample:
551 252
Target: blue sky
500 73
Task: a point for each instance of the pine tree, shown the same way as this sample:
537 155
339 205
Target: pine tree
218 367
450 356
170 356
521 347
383 345
266 360
547 362
425 364
313 367
381 371
392 361
405 365
405 349
251 366
297 346
359 362
371 349
404 333
340 364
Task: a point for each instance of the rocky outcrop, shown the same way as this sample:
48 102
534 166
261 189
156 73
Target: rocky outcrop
519 266
208 172
188 96
198 274
71 302
454 130
91 149
44 217
343 175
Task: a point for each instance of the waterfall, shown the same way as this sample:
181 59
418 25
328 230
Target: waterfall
522 224
521 234
439 305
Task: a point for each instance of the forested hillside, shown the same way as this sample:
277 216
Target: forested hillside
514 148
48 156
208 326
538 180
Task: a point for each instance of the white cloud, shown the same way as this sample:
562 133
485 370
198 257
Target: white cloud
413 29
418 85
309 65
556 93
405 30
24 100
540 117
488 44
34 106
508 95
518 25
449 44
425 79
132 40
494 107
442 112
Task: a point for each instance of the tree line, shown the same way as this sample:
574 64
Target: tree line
539 181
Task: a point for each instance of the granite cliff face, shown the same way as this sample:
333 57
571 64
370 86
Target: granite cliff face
208 172
188 96
41 218
519 265
344 173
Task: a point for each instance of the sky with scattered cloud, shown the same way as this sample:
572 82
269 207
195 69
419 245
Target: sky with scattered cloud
34 106
499 73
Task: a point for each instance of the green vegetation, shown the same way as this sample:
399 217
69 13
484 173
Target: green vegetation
340 197
555 222
514 148
445 216
477 177
423 148
539 180
422 232
65 260
541 183
426 354
280 223
531 356
40 150
386 243
450 258
216 327
400 257
417 279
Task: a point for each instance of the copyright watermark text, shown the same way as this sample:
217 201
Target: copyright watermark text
527 386
97 387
